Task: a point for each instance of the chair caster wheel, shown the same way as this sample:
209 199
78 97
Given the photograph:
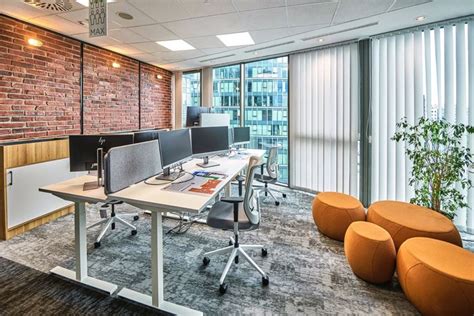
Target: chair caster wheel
134 232
97 244
277 203
264 252
223 288
284 195
231 243
205 261
135 218
265 281
113 226
236 259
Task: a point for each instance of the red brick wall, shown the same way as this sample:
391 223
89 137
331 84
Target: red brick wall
155 97
40 93
110 94
39 87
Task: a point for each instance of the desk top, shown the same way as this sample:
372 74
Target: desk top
152 197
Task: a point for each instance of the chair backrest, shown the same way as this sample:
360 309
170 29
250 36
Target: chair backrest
272 162
251 200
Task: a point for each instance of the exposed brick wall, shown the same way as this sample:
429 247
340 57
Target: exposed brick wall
39 87
155 97
110 94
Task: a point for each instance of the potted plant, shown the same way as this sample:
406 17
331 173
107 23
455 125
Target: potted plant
440 163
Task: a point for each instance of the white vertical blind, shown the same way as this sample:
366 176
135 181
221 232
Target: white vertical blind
324 119
420 73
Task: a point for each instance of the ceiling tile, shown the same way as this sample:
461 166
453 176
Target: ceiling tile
126 36
124 49
400 4
298 2
264 19
59 24
205 42
76 16
154 33
149 47
275 34
139 18
245 5
353 10
144 57
161 10
99 41
319 13
211 51
197 8
219 24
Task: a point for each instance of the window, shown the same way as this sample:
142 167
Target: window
266 107
226 92
191 94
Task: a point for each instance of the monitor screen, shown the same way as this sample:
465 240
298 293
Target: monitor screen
175 146
193 115
210 139
241 135
83 148
145 136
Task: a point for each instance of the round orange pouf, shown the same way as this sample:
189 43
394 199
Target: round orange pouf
334 212
437 277
404 220
370 252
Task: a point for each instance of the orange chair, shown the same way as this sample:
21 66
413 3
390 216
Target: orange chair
334 212
437 277
370 252
404 220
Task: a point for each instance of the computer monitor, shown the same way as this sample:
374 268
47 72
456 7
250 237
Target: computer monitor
193 115
208 141
145 136
175 148
241 135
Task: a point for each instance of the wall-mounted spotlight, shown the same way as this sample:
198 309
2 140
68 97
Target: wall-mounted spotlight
35 42
159 77
115 64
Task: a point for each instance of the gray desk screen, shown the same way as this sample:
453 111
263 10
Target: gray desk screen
130 164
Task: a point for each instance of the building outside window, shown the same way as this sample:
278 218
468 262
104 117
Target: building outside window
191 89
226 92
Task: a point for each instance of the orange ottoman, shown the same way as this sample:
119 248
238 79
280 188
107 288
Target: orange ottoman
370 252
437 277
334 212
404 220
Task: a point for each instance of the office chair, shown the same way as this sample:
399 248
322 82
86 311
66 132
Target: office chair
110 222
272 177
237 214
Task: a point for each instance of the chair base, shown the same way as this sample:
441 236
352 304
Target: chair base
268 191
110 223
235 251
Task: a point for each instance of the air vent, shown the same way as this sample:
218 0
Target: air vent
270 46
220 57
51 5
338 32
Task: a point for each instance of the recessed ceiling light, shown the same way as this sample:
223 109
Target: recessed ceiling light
125 15
421 18
321 40
175 45
236 39
115 65
35 42
86 2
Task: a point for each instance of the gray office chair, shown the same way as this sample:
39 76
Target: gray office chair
110 222
272 174
237 214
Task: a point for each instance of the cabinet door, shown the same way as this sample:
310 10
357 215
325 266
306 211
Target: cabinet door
24 201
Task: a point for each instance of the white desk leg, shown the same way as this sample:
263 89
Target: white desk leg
80 244
156 258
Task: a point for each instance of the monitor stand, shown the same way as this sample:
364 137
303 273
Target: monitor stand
167 175
207 163
98 183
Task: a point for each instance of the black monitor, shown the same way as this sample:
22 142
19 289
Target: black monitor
83 149
175 148
145 136
241 135
208 141
193 115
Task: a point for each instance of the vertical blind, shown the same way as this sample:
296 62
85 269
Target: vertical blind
324 119
420 73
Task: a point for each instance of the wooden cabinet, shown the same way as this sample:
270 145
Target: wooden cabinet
26 167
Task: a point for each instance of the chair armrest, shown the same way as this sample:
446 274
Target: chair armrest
233 199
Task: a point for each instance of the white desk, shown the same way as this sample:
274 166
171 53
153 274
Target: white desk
145 197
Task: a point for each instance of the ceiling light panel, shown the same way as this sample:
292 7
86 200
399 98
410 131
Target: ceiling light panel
175 45
236 39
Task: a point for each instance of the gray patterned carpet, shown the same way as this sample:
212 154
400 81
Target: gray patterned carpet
308 272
